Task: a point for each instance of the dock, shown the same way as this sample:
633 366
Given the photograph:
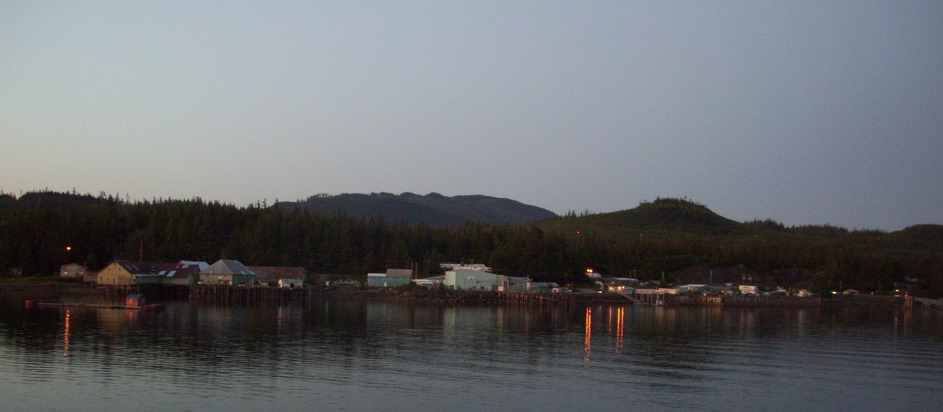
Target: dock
153 306
222 294
661 299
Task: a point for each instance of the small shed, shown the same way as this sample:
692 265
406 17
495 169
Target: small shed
290 283
72 270
134 300
748 290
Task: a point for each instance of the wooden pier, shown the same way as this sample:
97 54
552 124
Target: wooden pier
247 295
475 298
664 299
536 299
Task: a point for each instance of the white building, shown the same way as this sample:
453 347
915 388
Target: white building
469 279
748 289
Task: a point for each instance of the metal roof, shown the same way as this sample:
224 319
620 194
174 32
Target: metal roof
228 267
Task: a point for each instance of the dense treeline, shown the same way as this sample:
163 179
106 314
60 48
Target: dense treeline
36 229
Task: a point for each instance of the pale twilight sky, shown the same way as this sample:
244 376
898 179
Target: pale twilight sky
809 112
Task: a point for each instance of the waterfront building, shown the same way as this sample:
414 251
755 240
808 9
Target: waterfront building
131 273
127 273
514 284
72 270
467 279
695 289
747 289
464 266
201 265
280 276
226 272
544 287
183 273
392 278
623 285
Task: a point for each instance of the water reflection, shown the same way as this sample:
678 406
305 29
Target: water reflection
902 323
367 326
617 326
65 334
374 355
587 341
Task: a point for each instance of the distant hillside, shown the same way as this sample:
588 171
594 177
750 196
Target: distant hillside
926 236
923 232
662 215
432 209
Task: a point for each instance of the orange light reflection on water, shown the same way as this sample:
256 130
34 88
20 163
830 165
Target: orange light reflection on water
620 328
65 334
587 342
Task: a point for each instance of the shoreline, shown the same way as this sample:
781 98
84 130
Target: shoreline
456 298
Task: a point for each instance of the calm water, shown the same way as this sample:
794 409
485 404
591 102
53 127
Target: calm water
334 355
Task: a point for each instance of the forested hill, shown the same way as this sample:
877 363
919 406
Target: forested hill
660 216
668 218
433 209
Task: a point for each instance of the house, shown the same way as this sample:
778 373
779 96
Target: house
72 270
392 278
280 276
226 272
127 273
182 273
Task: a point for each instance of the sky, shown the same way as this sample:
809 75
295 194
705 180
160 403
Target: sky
806 113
